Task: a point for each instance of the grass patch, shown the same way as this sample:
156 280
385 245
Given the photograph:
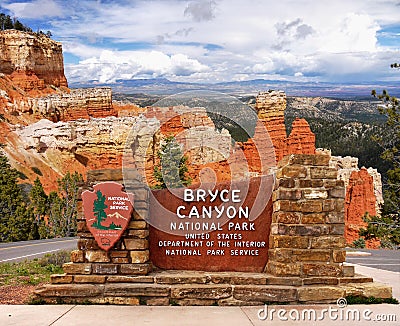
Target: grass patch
370 300
33 272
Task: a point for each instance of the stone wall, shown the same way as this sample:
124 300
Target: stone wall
308 219
31 60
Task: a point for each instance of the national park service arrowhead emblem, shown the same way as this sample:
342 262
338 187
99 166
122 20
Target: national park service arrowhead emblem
107 211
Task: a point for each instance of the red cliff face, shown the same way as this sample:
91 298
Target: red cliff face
31 60
360 199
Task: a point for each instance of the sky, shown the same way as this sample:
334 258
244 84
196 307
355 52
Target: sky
220 40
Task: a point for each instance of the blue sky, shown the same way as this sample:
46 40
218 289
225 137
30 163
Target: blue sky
221 40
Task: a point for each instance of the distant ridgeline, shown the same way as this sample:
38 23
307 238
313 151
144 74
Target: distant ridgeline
6 22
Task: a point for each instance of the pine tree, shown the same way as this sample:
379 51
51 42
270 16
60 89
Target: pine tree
98 209
172 170
39 206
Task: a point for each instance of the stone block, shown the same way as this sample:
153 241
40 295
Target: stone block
129 289
348 270
200 291
195 302
286 183
97 256
141 214
232 302
139 256
283 269
328 242
130 279
99 279
305 159
135 269
105 269
317 269
335 218
117 301
339 205
137 225
119 253
77 256
307 206
280 255
141 195
313 218
286 217
120 260
181 278
279 280
292 171
323 173
139 234
339 256
377 290
70 290
320 293
77 268
87 244
329 205
61 279
291 194
81 226
311 255
319 280
136 244
315 194
157 301
310 183
284 241
355 279
269 293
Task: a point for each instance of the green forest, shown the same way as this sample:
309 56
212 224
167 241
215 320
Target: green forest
28 213
6 22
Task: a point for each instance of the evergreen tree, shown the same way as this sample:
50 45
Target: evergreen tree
98 209
15 219
56 222
68 188
172 170
39 206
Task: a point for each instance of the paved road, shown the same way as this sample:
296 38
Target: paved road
19 251
388 260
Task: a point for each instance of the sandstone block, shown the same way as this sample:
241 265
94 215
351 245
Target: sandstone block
181 278
283 269
136 244
323 173
284 241
116 301
120 260
135 269
289 281
141 214
61 279
337 193
377 290
292 171
320 293
355 279
310 183
105 269
348 270
315 194
280 255
336 229
201 291
262 293
286 194
137 225
286 183
339 256
307 206
129 289
311 255
232 302
77 268
130 279
335 217
77 256
328 242
89 279
119 253
70 290
87 244
139 256
329 205
139 234
319 280
81 226
157 301
97 256
313 218
317 269
286 217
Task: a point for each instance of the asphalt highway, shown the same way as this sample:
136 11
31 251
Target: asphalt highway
19 251
388 260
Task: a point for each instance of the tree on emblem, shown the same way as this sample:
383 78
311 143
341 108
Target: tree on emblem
98 209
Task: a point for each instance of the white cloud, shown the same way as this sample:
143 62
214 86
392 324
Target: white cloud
111 65
35 9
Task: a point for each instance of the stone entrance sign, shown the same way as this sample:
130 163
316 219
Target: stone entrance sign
225 228
107 211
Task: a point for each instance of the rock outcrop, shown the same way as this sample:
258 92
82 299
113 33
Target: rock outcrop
31 60
363 195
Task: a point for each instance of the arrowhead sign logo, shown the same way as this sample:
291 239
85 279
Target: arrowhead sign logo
107 211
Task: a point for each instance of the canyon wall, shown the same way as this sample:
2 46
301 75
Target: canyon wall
32 60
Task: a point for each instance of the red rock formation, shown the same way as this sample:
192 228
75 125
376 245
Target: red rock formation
360 199
31 60
301 140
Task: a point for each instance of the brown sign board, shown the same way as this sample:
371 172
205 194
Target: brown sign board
107 210
227 230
